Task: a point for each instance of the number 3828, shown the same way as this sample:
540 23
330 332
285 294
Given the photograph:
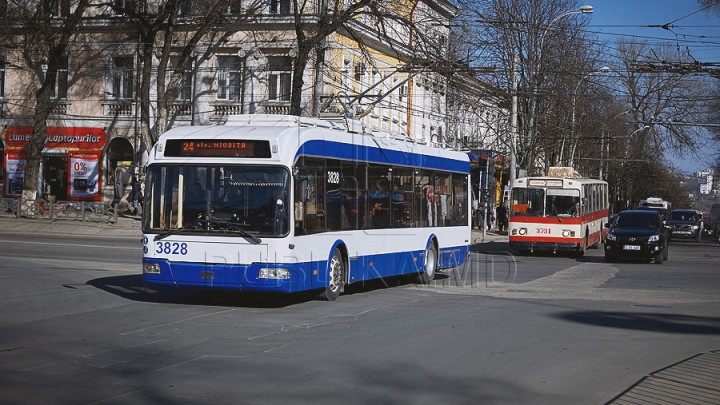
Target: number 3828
171 248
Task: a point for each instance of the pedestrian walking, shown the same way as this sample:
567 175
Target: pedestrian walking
137 195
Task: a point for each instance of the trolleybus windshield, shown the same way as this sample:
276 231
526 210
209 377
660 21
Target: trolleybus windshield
217 199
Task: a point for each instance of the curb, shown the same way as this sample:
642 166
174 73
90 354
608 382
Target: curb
125 227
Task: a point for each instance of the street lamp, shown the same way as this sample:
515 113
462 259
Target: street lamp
573 140
533 102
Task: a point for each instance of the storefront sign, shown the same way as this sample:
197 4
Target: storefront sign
14 173
66 138
84 176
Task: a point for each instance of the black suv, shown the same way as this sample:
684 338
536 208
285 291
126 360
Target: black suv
685 224
636 234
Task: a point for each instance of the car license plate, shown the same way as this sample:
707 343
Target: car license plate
631 247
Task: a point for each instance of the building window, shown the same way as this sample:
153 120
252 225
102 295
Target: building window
280 6
121 77
279 78
228 77
184 90
60 8
120 7
184 8
235 7
60 91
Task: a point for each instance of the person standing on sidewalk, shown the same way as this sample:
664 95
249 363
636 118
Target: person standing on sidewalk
501 212
481 217
136 194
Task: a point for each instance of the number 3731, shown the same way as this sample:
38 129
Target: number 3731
171 248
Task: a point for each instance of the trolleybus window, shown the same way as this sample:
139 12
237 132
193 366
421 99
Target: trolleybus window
562 203
528 201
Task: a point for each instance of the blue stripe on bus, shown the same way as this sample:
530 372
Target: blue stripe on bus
239 277
339 150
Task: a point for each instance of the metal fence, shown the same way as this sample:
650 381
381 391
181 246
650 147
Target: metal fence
74 210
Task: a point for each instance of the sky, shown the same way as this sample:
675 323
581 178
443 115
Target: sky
690 28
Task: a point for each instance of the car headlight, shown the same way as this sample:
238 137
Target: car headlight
654 238
611 237
695 227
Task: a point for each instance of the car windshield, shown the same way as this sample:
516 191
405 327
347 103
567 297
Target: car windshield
683 216
220 199
630 221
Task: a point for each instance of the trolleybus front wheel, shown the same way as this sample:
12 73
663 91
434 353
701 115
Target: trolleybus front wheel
336 274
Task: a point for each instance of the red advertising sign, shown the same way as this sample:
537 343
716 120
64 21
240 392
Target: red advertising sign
67 138
84 176
14 174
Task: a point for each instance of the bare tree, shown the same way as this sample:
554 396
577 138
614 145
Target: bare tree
179 29
316 22
711 5
654 99
552 51
46 29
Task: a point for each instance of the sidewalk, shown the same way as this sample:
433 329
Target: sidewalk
128 226
493 235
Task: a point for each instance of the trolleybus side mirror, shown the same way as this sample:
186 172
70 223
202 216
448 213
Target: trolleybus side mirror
303 187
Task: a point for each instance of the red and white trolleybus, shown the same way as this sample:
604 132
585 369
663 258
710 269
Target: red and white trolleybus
557 214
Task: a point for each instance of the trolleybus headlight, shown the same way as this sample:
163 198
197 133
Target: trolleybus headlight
611 237
151 268
274 273
567 233
523 231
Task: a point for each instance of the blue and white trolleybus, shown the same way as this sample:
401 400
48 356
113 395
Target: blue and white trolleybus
276 203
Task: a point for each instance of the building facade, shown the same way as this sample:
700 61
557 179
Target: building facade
383 73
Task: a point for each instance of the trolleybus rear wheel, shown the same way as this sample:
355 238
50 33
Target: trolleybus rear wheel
431 259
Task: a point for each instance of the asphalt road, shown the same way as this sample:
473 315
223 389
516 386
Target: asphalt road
77 326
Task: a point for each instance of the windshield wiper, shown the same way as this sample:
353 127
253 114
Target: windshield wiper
170 232
235 227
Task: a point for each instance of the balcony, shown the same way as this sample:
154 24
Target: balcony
181 108
225 109
118 109
275 107
59 107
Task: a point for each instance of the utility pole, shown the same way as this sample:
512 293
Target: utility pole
513 121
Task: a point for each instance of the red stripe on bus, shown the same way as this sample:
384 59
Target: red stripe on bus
551 239
583 219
